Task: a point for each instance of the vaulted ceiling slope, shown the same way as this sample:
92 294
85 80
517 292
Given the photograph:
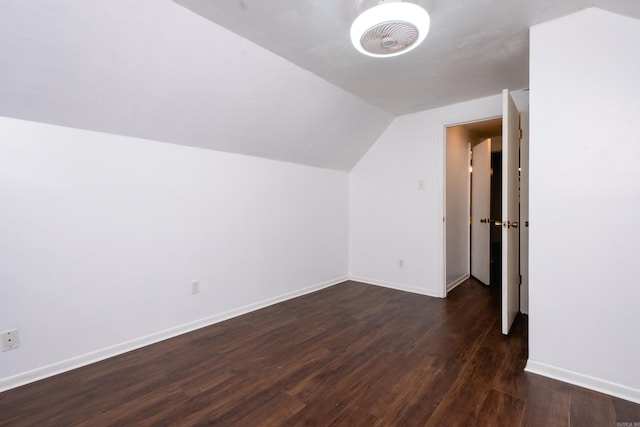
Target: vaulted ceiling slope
275 79
154 69
475 48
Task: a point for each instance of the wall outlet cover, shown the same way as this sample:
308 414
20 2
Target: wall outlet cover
10 339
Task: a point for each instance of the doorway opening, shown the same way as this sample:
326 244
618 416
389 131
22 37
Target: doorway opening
467 206
485 137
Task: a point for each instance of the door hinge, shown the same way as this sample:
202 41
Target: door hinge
520 133
521 279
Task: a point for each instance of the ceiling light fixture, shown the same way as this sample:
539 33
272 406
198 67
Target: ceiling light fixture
390 28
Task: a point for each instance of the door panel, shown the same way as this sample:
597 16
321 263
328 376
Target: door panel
480 211
510 215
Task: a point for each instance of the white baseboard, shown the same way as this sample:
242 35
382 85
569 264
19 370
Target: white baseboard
586 381
396 286
457 282
115 350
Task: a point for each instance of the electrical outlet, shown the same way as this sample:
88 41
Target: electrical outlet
401 263
10 340
195 287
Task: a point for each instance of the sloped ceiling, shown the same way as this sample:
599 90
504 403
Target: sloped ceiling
153 69
276 79
475 48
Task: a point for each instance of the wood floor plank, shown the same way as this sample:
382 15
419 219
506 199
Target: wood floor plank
353 416
500 409
141 410
547 403
349 355
587 408
414 400
626 412
471 387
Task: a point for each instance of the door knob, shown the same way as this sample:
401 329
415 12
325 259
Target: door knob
513 224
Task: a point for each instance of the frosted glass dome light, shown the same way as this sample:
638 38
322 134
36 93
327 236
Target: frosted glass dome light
390 29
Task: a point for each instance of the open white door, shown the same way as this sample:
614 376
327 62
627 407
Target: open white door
510 214
480 211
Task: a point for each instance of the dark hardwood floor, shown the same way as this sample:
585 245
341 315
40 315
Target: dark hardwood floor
350 355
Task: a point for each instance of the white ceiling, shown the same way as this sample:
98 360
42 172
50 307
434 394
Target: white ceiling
475 48
281 81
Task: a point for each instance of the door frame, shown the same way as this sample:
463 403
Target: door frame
442 291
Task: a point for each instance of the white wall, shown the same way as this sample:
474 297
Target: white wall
584 201
101 236
457 186
390 218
